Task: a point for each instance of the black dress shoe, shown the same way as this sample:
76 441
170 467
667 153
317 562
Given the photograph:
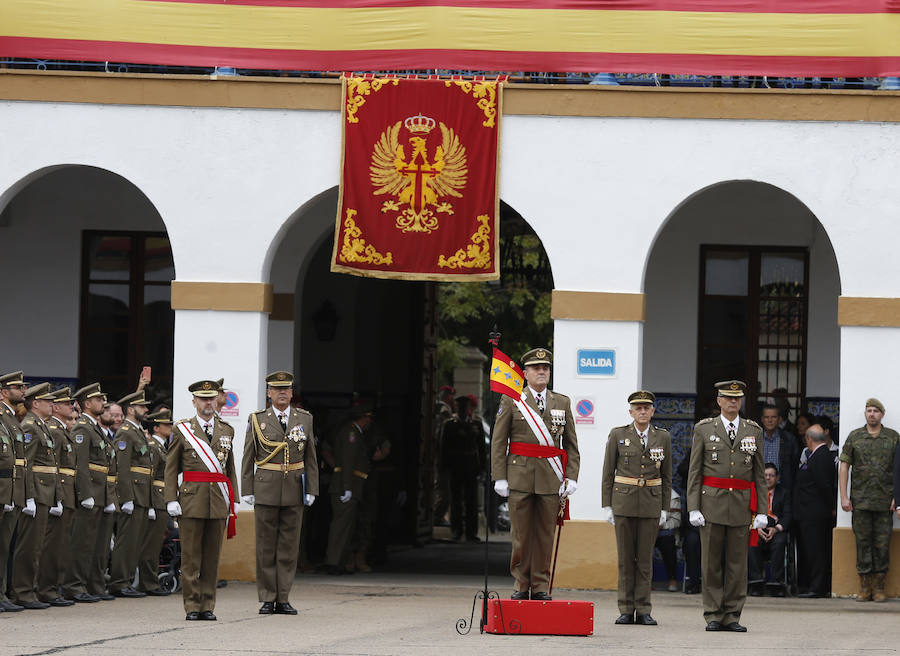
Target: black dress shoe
105 597
734 626
34 605
59 602
714 626
267 608
646 620
519 596
129 593
159 592
625 618
192 616
809 595
10 607
540 596
334 570
84 598
285 608
207 615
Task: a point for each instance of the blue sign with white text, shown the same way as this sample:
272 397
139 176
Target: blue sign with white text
596 362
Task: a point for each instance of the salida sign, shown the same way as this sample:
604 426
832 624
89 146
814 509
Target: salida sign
597 362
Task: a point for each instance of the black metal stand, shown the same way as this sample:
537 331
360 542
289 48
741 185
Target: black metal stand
462 626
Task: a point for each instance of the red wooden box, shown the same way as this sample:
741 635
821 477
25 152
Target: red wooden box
557 617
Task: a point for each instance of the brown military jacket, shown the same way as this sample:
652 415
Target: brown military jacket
158 489
532 474
90 449
40 451
197 499
22 484
133 464
351 460
65 456
626 456
112 493
713 454
7 466
285 487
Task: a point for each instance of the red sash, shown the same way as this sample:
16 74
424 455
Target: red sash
737 484
540 451
215 477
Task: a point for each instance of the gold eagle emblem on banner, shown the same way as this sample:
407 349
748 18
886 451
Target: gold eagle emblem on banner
419 187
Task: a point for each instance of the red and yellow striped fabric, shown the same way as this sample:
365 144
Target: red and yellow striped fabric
788 38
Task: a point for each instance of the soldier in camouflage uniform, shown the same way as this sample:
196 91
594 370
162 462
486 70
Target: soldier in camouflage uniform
870 451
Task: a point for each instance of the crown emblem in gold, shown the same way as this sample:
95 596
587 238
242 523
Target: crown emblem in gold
541 354
735 386
419 124
207 386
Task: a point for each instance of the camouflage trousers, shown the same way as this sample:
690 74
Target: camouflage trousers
872 529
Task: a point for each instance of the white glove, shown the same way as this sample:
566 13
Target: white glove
173 508
696 518
662 518
30 509
249 499
607 514
9 508
761 521
56 510
128 507
309 499
567 488
501 487
111 508
151 513
346 496
88 504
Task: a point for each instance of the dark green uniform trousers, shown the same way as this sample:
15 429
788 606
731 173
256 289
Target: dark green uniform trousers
152 541
724 592
81 549
29 545
872 529
201 546
635 540
343 524
277 550
532 520
7 528
101 551
56 558
126 552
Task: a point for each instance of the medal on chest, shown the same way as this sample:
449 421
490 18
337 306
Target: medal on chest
748 446
297 435
657 455
557 421
224 448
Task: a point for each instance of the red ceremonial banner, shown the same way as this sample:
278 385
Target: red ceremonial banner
418 197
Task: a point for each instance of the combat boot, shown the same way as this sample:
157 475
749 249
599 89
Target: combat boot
865 588
361 565
878 587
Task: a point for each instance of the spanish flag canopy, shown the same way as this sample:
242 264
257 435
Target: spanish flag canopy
764 37
506 376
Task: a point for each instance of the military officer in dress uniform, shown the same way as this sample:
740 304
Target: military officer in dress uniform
637 490
111 511
133 491
351 469
726 481
91 468
40 456
205 499
12 392
160 423
279 475
534 489
56 558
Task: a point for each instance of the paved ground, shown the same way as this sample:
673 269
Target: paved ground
415 613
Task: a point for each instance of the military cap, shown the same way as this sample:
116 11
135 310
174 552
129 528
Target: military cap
39 392
204 389
362 409
875 403
280 379
88 392
135 398
15 378
221 384
642 396
162 416
537 356
62 396
731 388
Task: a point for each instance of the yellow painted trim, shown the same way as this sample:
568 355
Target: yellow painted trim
221 25
518 99
598 306
587 557
844 579
223 296
861 311
238 559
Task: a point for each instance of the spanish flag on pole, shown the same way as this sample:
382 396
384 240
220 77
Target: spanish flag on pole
506 376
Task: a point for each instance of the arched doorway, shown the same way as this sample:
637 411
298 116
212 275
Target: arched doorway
741 282
93 261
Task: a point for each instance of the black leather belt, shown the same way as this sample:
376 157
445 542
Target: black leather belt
6 473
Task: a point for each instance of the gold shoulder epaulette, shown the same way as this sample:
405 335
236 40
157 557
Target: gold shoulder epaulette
706 421
751 422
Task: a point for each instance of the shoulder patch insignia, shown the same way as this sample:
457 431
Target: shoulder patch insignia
27 438
500 411
122 445
79 439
